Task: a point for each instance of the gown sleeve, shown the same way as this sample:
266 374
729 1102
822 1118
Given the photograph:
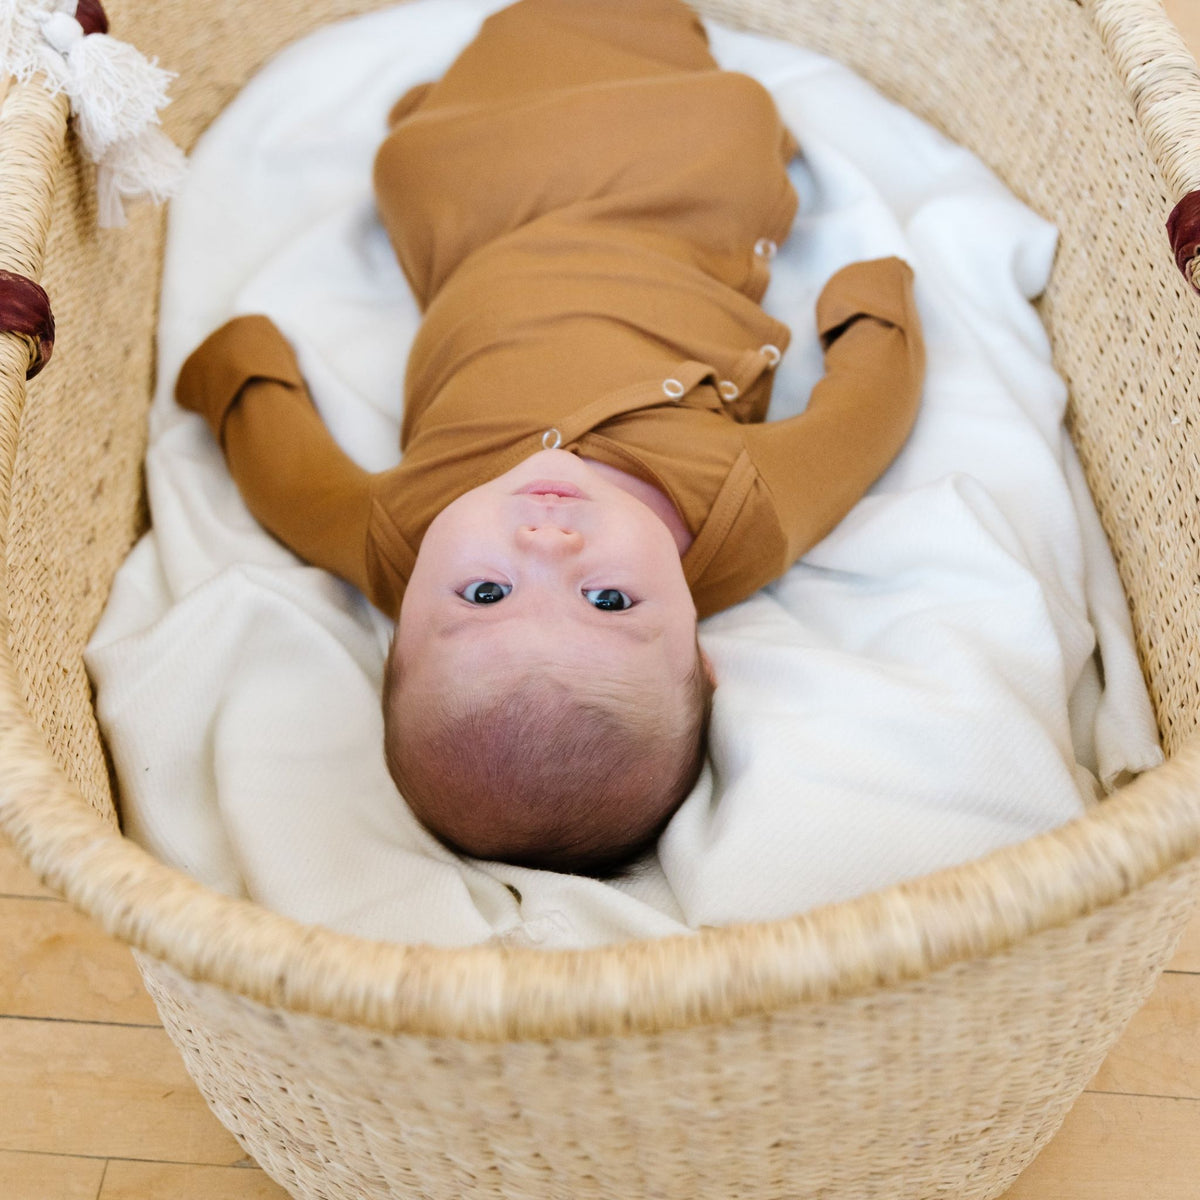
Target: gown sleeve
298 483
818 464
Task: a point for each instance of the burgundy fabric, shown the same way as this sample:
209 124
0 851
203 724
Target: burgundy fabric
25 309
1183 228
91 16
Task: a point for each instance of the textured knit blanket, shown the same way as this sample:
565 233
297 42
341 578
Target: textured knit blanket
950 671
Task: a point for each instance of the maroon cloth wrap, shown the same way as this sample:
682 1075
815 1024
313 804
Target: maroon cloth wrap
25 309
1183 228
91 16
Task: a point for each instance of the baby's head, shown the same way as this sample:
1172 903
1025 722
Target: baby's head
546 701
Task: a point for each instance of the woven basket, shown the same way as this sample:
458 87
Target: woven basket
923 1041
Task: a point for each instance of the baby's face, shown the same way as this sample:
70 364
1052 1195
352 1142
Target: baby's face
551 562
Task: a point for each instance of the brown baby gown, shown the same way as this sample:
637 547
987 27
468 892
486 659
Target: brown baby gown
585 206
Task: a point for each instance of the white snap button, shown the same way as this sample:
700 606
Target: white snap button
728 389
673 388
770 353
551 439
765 248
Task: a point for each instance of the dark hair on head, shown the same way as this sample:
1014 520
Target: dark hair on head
543 774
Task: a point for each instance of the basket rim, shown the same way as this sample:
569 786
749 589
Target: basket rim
501 993
506 993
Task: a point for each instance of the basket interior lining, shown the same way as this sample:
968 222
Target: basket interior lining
1023 83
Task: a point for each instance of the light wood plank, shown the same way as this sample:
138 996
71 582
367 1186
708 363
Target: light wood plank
103 1090
1119 1148
171 1181
1159 1054
16 879
55 962
49 1177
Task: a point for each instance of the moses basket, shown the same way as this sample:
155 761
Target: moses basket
922 1041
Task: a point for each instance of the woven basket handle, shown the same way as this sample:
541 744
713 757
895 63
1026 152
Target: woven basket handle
31 140
35 126
1163 81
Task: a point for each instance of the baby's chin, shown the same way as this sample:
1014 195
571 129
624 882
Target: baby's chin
566 457
558 463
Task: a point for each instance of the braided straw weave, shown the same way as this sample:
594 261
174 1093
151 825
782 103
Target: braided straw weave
922 1041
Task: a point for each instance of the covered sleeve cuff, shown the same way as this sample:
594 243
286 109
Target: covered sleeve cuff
881 288
215 373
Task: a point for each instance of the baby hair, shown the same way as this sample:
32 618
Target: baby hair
552 771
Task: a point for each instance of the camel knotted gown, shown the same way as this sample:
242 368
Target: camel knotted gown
585 208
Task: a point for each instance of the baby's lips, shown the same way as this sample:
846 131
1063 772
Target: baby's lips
559 489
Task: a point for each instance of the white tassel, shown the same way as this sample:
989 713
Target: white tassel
114 91
115 94
149 164
22 51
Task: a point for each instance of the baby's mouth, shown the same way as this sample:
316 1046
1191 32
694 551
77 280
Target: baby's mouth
558 489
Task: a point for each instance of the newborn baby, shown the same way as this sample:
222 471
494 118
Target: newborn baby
585 207
554 598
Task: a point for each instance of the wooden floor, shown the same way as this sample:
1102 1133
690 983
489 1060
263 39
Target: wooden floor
95 1104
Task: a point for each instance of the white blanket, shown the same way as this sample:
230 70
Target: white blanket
949 671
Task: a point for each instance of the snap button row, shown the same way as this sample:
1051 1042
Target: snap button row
673 388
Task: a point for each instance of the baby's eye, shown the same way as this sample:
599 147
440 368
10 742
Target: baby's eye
609 599
485 592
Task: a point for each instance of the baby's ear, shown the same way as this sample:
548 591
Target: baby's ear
709 670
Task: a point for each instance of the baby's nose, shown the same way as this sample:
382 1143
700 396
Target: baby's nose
550 539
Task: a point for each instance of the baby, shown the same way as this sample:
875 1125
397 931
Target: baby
585 207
